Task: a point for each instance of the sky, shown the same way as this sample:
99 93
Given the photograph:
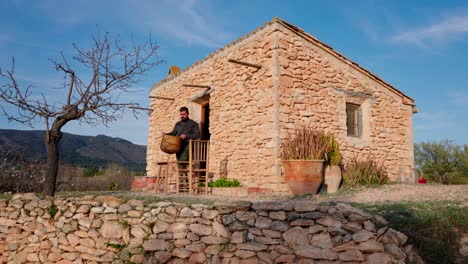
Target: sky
420 47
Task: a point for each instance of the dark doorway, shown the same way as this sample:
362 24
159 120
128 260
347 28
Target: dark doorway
205 122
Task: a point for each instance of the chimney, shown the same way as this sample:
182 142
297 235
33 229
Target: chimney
173 70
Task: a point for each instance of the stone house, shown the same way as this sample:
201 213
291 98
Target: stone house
248 94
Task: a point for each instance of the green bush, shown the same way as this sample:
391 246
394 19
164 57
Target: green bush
91 171
433 228
364 172
222 182
442 162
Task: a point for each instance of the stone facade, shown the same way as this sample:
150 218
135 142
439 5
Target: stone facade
301 81
105 229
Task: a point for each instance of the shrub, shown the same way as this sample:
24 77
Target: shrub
364 172
443 161
333 155
223 182
304 143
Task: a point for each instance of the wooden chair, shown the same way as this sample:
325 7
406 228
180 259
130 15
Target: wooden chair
165 178
193 175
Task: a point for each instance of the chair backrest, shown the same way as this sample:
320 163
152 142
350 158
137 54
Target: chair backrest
200 150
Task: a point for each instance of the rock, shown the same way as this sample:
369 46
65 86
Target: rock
352 227
166 218
369 226
209 214
380 220
155 245
54 257
21 257
162 256
197 258
296 238
134 213
252 246
305 206
212 240
263 222
7 222
83 209
351 255
33 257
237 237
280 215
245 215
302 222
177 228
267 240
371 246
70 256
238 226
463 245
25 196
271 233
196 247
201 230
181 253
109 210
328 221
379 258
228 219
395 251
321 240
187 212
220 230
191 236
139 231
362 236
316 229
272 206
243 254
285 259
317 253
136 203
279 226
229 207
267 257
182 242
124 208
312 215
346 246
160 227
111 230
109 200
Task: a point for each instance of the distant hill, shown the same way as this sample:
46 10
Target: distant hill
86 151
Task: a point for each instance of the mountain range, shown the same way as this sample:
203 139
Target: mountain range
84 151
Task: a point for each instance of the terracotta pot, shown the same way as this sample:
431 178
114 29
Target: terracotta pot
303 176
333 178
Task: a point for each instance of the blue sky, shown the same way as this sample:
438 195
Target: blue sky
420 47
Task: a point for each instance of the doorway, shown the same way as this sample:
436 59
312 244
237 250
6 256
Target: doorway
205 121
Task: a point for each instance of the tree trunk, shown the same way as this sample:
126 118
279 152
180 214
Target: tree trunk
52 141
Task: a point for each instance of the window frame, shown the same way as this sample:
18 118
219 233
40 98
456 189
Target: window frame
354 116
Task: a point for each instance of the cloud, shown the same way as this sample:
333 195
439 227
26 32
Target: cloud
185 22
449 28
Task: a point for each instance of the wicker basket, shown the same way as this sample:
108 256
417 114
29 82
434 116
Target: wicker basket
170 144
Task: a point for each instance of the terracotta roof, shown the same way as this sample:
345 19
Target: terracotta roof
300 32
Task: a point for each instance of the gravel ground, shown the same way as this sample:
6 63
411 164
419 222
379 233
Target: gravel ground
386 193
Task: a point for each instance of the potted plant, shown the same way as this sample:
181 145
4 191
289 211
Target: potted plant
303 151
333 170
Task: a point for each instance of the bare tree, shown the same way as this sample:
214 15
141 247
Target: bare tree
94 79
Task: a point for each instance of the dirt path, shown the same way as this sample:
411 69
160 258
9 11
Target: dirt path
387 193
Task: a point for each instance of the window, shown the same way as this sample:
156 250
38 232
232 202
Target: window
354 120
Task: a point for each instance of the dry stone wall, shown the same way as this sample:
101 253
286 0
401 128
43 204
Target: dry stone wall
105 229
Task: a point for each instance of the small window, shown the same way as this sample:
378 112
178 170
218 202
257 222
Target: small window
354 120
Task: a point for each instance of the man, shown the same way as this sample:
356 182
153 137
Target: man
186 129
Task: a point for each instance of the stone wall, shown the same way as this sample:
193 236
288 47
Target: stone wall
315 86
105 229
240 110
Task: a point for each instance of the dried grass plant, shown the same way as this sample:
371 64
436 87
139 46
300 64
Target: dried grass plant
304 143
